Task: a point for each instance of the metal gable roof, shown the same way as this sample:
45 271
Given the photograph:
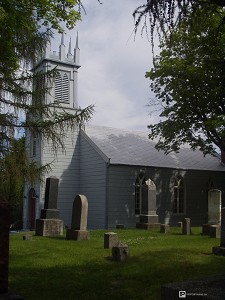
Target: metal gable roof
134 148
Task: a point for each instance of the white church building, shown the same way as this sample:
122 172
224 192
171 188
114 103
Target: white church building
110 166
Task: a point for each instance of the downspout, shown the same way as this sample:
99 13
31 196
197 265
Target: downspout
222 157
107 194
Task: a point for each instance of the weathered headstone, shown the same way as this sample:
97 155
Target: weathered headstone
215 231
164 228
186 226
214 210
78 229
110 239
49 224
120 252
214 206
220 250
27 237
148 218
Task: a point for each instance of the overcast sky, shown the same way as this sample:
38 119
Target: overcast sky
113 65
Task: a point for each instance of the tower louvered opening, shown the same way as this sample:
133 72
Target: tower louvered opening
62 87
65 88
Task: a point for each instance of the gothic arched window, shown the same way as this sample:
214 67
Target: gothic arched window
33 145
139 183
62 87
178 192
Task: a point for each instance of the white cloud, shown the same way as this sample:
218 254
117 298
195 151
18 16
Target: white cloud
113 69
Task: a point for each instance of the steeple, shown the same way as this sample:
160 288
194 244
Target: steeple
69 50
48 50
77 47
77 52
69 55
62 49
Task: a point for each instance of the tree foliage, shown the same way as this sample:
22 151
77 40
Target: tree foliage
188 79
25 28
162 15
15 168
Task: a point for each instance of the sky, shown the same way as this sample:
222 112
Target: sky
113 65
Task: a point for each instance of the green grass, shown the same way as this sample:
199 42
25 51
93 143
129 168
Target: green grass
55 268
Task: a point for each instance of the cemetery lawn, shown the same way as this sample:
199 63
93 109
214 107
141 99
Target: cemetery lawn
55 268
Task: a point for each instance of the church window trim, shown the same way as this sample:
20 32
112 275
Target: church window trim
179 196
33 148
139 183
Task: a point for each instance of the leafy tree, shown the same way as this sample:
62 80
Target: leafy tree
164 14
188 79
25 28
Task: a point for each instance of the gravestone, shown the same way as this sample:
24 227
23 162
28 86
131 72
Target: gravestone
78 229
220 250
148 218
215 231
120 252
214 206
110 239
27 237
49 224
186 226
164 228
214 210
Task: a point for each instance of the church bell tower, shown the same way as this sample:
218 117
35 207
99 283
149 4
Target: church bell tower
64 163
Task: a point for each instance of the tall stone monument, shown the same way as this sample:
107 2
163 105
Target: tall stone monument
214 210
214 207
148 218
220 250
78 229
49 224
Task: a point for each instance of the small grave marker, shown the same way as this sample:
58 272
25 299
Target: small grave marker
78 229
186 226
120 252
110 239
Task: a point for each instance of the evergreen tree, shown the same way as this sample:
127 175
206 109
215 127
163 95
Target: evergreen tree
26 26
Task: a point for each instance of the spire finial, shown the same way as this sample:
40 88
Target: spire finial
62 39
77 47
69 49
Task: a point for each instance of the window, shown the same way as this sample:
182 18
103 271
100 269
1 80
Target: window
178 191
33 144
62 87
39 88
139 183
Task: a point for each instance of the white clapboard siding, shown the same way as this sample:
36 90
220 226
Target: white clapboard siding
93 169
65 166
